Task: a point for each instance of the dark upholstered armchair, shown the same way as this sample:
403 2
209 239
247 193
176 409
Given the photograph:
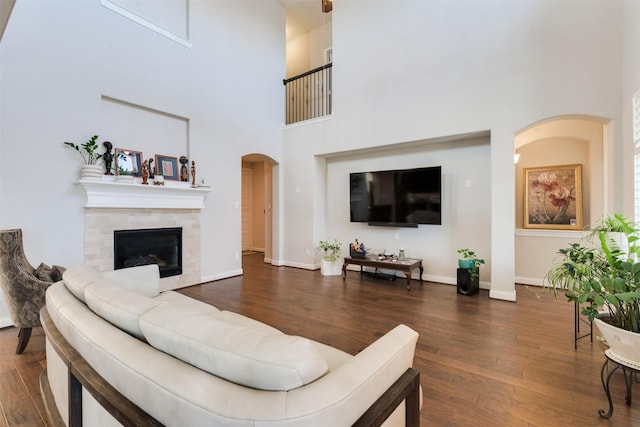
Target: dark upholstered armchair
23 291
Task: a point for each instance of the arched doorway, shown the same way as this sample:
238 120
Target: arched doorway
257 205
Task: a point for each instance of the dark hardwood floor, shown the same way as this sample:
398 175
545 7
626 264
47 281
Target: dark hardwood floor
482 362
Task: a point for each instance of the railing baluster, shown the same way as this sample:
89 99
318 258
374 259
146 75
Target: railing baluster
308 95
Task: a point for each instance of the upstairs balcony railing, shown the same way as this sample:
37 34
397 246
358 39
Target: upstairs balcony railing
308 95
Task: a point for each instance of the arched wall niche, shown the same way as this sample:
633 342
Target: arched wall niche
557 141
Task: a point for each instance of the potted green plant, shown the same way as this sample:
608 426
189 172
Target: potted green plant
468 275
470 262
615 227
90 168
330 256
124 175
604 279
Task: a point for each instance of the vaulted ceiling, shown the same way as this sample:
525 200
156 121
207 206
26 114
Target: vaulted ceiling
303 16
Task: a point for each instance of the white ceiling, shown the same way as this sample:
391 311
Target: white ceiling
303 16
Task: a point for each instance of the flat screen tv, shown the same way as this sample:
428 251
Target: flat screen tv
397 198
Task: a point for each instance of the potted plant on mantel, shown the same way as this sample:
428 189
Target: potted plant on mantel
90 169
331 255
605 280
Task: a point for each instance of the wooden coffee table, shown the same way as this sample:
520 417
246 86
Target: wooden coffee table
406 266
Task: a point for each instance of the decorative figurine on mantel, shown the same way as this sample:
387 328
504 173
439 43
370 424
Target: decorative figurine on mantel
107 157
145 172
184 173
193 174
152 171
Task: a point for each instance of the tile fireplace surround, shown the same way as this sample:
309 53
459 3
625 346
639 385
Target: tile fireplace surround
124 206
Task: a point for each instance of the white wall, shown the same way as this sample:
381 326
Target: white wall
466 207
306 51
59 58
443 68
630 83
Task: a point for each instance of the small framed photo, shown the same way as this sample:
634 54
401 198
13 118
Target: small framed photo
167 166
128 162
553 197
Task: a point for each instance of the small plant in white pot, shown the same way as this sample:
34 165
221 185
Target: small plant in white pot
331 256
90 169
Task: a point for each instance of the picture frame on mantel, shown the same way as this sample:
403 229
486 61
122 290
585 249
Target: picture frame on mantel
128 162
553 197
167 166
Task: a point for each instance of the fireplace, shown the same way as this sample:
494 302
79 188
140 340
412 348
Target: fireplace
161 246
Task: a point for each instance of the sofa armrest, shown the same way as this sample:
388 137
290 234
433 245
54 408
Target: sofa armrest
144 279
407 389
351 389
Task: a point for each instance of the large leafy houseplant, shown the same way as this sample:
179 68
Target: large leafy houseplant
602 277
91 155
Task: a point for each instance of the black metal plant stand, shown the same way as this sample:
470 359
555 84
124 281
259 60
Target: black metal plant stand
576 327
628 369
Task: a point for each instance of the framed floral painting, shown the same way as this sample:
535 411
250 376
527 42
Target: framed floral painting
553 197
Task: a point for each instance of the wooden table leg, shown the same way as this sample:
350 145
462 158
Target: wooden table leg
408 275
421 271
344 271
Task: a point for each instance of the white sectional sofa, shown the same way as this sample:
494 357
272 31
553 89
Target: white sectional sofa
121 353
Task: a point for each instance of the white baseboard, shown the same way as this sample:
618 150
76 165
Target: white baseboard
305 266
440 279
533 281
5 321
219 276
505 296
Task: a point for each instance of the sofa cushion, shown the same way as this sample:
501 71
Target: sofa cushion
78 277
173 297
142 279
118 305
256 358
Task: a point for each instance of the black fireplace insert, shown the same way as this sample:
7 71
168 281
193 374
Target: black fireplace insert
161 246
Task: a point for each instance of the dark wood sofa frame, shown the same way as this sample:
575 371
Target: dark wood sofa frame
81 375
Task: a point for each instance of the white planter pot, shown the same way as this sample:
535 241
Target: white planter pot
125 178
91 172
622 342
331 268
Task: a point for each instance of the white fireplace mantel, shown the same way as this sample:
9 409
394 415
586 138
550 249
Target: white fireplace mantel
173 195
